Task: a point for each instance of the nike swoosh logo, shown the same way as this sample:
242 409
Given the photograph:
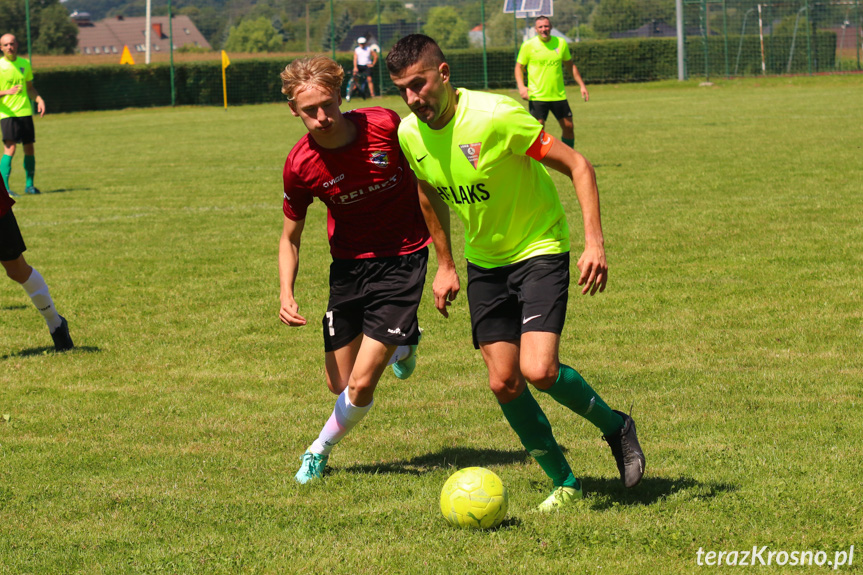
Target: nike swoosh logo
527 319
421 159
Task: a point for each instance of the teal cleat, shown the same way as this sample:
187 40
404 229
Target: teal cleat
32 190
312 467
561 497
13 194
404 367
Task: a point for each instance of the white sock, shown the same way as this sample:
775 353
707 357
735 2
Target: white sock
37 289
344 417
400 353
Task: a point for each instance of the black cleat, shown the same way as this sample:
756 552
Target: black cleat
62 340
627 451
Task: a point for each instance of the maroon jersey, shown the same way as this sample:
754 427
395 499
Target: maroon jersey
370 191
6 200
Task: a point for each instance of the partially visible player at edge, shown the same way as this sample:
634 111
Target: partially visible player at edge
546 56
12 258
378 240
484 157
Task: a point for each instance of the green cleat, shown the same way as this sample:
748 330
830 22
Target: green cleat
404 367
312 467
561 497
13 194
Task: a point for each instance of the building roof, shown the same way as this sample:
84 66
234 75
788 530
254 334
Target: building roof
110 35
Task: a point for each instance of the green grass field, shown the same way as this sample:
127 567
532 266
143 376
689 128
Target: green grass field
167 442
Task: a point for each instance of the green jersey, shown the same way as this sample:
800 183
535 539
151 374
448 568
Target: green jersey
477 164
16 73
544 63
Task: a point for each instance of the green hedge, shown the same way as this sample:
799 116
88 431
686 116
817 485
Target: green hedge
257 81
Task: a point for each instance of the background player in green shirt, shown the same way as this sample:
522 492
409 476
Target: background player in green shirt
484 157
545 56
16 111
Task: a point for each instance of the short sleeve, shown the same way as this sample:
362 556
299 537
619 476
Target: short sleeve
565 54
523 57
297 196
515 126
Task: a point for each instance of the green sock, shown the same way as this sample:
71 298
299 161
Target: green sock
30 169
526 418
569 142
571 390
6 169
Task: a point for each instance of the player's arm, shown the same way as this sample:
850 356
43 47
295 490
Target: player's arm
519 80
40 103
289 264
374 58
560 157
436 214
355 62
577 77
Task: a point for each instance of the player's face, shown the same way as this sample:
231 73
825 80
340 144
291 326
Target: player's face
9 45
319 110
425 89
543 29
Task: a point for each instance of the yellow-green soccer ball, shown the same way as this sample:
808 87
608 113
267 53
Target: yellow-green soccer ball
475 498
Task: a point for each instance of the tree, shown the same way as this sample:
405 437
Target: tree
254 36
343 24
445 26
51 30
616 16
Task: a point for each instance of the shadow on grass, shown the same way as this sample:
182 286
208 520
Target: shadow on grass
456 457
13 307
49 350
604 492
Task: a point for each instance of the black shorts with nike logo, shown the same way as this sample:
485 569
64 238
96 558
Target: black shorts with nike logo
507 301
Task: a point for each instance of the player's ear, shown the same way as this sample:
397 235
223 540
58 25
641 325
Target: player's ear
443 70
293 108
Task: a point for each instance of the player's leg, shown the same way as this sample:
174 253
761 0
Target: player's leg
352 404
544 288
31 280
371 84
496 323
9 144
563 113
567 132
526 417
30 162
538 110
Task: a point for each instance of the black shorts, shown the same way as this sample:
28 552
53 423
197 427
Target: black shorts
540 110
11 241
18 130
377 297
364 71
508 301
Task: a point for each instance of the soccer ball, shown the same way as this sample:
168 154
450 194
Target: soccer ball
475 498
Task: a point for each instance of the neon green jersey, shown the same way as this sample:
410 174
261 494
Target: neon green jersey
544 63
15 73
477 163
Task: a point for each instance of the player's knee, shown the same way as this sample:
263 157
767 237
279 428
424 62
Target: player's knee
540 374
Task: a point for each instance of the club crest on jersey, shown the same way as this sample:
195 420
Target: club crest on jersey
381 159
471 152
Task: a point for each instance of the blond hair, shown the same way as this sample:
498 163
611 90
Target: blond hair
318 71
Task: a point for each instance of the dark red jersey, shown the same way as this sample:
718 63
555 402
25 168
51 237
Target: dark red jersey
370 191
6 200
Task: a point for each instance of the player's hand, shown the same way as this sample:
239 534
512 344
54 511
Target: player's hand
15 89
523 93
40 106
584 95
445 288
289 313
594 270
